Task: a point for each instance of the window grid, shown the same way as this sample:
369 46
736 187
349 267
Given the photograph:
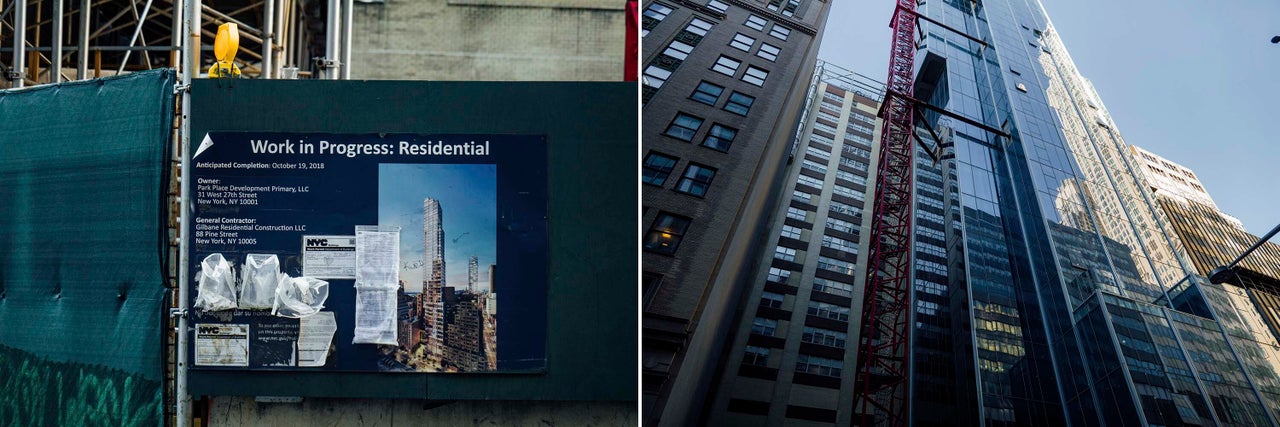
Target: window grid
707 93
657 168
696 179
684 126
739 103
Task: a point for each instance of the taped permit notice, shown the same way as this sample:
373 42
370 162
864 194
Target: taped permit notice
377 281
222 345
329 257
315 334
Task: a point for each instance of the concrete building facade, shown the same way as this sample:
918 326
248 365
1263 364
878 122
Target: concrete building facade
500 40
723 85
792 356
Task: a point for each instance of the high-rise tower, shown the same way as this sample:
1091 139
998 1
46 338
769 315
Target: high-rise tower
433 277
1071 301
723 85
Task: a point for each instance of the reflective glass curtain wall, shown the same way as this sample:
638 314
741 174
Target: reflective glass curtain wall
1061 273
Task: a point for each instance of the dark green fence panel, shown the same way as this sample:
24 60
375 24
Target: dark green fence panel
592 148
83 171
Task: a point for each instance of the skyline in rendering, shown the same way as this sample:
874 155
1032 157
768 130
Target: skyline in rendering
467 197
1192 85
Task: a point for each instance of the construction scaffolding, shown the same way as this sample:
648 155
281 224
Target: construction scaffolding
49 41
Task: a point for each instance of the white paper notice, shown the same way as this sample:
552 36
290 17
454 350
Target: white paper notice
222 345
315 334
329 257
377 280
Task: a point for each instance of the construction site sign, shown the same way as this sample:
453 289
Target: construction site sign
368 252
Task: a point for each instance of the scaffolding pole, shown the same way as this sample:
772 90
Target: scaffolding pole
346 40
82 55
268 39
55 69
332 27
19 43
190 69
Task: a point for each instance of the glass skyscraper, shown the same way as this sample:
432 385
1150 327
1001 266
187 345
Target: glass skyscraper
1069 300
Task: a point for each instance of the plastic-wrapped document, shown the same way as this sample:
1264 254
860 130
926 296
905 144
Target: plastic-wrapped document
377 281
299 296
258 281
217 284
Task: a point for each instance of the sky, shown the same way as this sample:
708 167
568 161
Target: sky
1193 81
468 199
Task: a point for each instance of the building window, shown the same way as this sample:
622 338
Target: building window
828 311
771 300
835 265
655 77
825 337
851 177
756 23
814 166
819 366
832 99
832 287
838 207
758 356
652 16
707 93
785 254
849 192
787 7
684 126
791 232
699 27
727 66
850 149
839 225
755 75
720 137
778 275
810 181
769 52
742 42
665 234
651 282
798 214
818 152
779 32
657 168
696 180
718 6
739 104
678 50
762 326
839 244
801 196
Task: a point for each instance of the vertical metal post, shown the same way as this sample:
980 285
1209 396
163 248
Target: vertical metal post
332 26
280 37
176 37
268 39
190 69
55 69
19 42
346 39
82 52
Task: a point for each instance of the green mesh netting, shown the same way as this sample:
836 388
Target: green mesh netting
83 171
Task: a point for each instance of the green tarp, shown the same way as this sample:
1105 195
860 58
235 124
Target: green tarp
83 177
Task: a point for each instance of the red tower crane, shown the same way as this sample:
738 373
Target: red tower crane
881 386
881 389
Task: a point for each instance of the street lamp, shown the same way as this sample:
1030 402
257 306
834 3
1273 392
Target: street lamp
1222 274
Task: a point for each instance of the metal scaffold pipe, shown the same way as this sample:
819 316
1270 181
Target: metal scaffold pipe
82 55
55 70
346 39
268 39
19 43
332 28
190 69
